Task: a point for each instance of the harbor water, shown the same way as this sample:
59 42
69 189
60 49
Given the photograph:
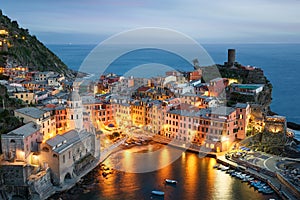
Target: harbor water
197 179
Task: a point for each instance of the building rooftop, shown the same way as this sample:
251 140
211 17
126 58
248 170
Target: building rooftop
248 86
90 100
188 94
60 143
241 105
31 112
25 130
221 110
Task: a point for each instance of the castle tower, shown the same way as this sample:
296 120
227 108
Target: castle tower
74 111
231 57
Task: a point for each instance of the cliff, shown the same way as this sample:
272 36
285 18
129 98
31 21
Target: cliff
18 47
244 76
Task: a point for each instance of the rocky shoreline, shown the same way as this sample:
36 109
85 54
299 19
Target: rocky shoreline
85 184
293 126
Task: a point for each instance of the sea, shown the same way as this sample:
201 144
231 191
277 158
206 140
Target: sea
195 175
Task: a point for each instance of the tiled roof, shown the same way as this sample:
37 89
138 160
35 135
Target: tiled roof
31 112
241 105
222 110
25 130
59 143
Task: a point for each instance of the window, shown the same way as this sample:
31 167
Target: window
45 149
64 159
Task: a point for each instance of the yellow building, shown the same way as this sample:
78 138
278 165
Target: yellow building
121 114
40 117
139 113
27 97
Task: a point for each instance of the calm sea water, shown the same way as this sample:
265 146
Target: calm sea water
196 178
280 62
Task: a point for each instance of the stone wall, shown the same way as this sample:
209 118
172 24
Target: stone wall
40 185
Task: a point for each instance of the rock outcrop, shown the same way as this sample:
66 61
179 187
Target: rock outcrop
19 47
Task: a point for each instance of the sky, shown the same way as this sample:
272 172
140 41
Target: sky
217 21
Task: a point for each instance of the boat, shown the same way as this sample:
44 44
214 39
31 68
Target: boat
247 179
265 188
268 191
220 167
254 183
170 181
229 171
158 192
216 166
224 168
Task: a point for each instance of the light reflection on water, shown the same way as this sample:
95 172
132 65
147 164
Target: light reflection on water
196 178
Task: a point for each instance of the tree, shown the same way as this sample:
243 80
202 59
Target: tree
15 24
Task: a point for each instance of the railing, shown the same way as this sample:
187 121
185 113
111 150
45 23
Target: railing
288 184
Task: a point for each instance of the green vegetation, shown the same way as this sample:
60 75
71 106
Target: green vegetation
241 98
27 50
8 121
272 143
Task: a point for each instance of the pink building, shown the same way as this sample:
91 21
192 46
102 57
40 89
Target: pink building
20 143
215 128
242 115
221 126
217 86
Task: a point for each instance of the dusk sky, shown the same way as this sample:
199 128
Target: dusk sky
218 21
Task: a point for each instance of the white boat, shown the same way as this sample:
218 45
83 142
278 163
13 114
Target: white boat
157 192
224 168
171 181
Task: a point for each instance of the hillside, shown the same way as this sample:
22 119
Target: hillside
18 47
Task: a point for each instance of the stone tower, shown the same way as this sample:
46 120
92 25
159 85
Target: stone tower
231 57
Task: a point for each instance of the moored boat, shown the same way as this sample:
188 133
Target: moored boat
216 166
170 181
158 192
224 168
229 171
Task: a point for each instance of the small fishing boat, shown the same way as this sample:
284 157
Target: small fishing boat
229 171
224 168
268 191
170 181
158 192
